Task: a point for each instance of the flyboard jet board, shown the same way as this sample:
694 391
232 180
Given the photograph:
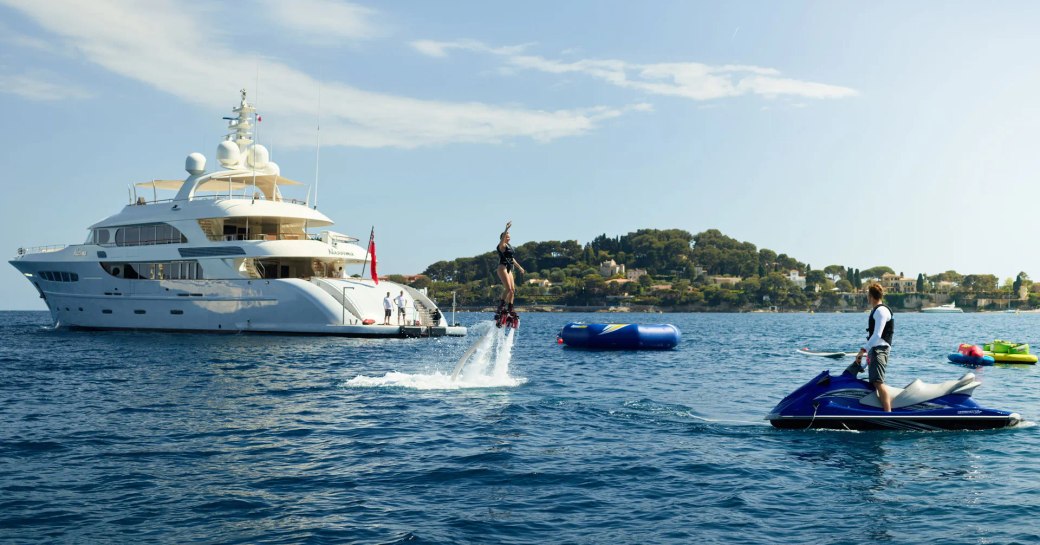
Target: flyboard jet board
507 319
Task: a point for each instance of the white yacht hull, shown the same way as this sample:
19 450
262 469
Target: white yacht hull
323 306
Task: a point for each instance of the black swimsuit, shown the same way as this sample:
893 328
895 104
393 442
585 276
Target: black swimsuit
506 257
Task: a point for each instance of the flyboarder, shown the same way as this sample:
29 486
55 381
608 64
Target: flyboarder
506 262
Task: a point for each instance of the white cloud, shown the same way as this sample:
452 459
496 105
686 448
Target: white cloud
40 87
434 48
690 80
147 43
325 22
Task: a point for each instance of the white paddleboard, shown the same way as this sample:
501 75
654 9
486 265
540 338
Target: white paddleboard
807 352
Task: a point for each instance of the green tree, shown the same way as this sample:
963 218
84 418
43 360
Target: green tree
766 261
948 276
788 263
720 254
979 283
835 271
815 278
781 291
920 283
876 272
1024 281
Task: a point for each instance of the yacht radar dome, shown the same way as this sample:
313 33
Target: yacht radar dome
228 154
257 156
195 164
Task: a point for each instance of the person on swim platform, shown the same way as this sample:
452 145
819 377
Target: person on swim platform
880 329
387 309
401 302
506 263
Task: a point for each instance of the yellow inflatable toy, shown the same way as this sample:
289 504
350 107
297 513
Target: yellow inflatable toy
1008 352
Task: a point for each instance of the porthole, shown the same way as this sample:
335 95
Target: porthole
177 312
106 311
138 311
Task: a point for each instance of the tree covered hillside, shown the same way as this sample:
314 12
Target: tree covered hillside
673 269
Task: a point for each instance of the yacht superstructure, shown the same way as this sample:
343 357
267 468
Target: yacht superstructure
227 253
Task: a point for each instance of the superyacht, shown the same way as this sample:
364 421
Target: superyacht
227 253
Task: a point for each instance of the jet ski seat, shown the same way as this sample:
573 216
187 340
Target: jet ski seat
919 392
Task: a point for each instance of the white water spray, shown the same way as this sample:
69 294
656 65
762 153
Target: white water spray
484 365
488 357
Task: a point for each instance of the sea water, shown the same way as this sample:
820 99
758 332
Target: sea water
157 437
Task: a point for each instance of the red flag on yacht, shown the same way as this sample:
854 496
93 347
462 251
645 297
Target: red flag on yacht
372 251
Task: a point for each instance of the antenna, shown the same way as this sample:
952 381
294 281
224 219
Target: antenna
256 100
317 147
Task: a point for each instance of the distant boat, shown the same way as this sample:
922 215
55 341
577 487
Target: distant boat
948 308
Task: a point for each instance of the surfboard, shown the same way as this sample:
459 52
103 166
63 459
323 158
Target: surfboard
819 354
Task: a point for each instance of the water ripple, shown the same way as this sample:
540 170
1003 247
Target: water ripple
129 436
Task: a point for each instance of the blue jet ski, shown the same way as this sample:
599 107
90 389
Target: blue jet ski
845 402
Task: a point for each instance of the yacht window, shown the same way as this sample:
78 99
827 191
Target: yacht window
149 234
171 270
101 236
106 311
253 228
176 311
58 276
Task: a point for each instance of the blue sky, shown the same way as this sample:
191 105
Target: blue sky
861 134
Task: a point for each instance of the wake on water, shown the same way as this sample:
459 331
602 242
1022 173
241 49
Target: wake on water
484 365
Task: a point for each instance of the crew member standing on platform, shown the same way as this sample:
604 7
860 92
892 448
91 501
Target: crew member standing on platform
402 303
387 309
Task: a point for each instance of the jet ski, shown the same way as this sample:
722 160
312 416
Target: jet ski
845 402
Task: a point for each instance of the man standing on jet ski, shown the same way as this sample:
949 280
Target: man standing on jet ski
880 326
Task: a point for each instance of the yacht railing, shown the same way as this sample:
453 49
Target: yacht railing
262 237
141 201
41 249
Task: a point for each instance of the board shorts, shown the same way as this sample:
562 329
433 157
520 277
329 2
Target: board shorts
877 362
388 312
400 310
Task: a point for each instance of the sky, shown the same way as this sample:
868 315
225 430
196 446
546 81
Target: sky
855 133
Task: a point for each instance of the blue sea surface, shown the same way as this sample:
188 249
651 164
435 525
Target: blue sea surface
117 437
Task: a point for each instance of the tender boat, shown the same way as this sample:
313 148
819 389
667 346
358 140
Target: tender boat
228 252
948 308
845 402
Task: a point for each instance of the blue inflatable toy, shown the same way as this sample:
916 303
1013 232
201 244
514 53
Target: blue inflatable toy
620 336
974 361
